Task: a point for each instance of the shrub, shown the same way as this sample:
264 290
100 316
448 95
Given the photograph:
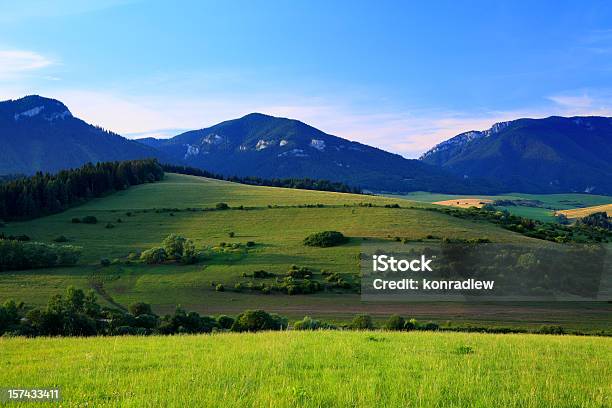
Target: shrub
154 256
140 308
396 323
109 225
250 244
147 321
16 255
220 288
75 220
61 238
179 248
89 219
105 262
222 206
299 272
430 326
410 325
362 322
551 330
325 239
263 274
307 323
133 256
231 234
257 320
225 322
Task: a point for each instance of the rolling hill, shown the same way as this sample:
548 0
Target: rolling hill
40 134
551 155
277 220
272 147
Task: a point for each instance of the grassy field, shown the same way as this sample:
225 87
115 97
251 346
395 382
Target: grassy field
316 369
550 202
583 212
278 233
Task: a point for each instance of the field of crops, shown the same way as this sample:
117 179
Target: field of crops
316 369
573 204
583 212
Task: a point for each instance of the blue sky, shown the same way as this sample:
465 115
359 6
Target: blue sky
394 74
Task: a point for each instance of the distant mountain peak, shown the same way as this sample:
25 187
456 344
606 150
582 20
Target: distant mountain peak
554 154
34 107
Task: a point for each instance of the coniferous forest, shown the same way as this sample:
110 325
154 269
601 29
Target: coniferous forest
300 183
45 193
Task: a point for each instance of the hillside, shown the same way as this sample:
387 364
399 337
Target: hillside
40 134
271 147
551 155
317 369
276 220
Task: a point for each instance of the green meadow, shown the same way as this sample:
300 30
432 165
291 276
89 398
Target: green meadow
276 220
316 369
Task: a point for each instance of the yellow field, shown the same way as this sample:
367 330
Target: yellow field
583 212
465 202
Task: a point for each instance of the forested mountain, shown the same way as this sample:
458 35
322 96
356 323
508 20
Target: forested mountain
270 147
549 155
40 134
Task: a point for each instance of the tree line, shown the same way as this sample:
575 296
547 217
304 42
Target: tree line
44 193
78 313
298 183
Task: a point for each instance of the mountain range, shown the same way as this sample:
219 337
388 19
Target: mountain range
552 155
526 155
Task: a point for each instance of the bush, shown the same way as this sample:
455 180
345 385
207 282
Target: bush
222 206
250 244
76 220
154 256
109 225
180 248
220 288
16 255
429 326
89 219
105 262
231 234
551 330
147 321
395 323
140 308
325 239
225 322
308 323
362 322
60 239
258 320
410 325
263 274
133 256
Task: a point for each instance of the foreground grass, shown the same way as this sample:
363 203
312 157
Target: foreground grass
318 369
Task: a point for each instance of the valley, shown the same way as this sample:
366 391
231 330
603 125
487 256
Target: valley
276 221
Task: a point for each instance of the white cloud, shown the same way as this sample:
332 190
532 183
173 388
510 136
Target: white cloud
14 63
